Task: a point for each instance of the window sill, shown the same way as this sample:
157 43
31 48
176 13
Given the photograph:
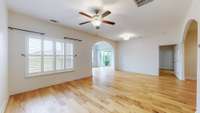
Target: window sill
48 73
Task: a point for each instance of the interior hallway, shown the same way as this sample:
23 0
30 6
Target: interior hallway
110 92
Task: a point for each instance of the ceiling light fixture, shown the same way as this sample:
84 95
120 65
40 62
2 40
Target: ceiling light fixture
127 36
96 21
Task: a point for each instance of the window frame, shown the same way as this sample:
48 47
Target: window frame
42 73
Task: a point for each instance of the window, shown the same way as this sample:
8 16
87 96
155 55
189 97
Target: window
48 56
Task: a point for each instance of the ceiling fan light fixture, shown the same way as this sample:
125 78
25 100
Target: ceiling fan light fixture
96 23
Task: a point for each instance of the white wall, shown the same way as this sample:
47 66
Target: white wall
139 55
83 63
142 55
3 56
166 57
176 61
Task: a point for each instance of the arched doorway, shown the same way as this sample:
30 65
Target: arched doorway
102 56
190 51
191 56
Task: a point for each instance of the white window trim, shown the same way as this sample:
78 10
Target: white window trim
28 75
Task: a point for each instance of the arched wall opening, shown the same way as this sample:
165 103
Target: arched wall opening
190 54
103 55
191 50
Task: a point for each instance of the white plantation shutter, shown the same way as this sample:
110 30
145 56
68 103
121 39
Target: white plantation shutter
35 55
69 56
49 56
60 59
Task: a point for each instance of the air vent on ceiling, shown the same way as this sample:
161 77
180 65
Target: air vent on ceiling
142 2
53 21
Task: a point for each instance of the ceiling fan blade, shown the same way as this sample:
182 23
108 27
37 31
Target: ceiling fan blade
84 22
84 14
106 14
108 22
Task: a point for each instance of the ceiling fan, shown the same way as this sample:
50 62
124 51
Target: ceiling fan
97 19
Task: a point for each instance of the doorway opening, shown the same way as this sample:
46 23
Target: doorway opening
102 56
190 51
191 55
167 59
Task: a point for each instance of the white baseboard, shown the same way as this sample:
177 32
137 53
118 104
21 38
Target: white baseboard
179 77
46 85
4 105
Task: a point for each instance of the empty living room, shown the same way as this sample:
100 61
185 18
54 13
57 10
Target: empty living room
99 56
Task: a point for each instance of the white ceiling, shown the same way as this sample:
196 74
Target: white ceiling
155 17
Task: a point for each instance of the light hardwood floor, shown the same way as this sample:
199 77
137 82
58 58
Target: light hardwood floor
110 92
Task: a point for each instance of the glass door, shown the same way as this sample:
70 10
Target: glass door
105 58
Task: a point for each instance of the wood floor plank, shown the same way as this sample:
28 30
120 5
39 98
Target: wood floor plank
110 92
